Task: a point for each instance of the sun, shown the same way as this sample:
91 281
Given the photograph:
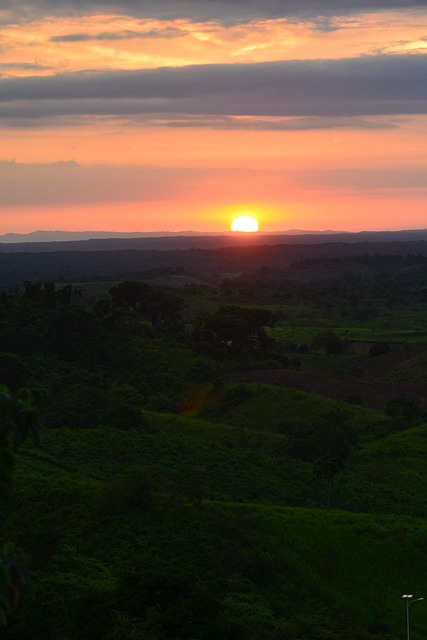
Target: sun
247 224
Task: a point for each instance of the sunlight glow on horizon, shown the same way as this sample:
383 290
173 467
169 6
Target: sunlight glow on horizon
245 224
173 120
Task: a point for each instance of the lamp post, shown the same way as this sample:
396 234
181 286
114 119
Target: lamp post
409 601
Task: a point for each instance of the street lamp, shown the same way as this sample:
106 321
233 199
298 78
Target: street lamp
409 601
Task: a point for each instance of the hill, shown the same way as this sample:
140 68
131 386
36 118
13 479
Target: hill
171 498
121 540
132 259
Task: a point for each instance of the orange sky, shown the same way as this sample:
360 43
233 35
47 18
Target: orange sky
187 114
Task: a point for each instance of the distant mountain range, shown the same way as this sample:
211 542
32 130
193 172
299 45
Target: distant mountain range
53 241
70 236
64 236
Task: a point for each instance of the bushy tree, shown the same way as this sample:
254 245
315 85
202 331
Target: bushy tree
19 418
405 409
327 340
237 327
157 306
378 349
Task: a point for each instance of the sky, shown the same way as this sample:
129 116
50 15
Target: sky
169 115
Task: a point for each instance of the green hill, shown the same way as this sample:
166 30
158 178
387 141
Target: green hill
110 554
165 502
164 531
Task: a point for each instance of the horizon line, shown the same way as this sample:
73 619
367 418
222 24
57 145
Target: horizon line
118 234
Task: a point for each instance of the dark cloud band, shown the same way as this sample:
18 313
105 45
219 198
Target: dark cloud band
371 85
119 35
225 11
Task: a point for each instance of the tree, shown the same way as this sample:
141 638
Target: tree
405 409
156 306
327 340
127 491
237 327
130 294
327 444
79 335
332 437
19 417
378 349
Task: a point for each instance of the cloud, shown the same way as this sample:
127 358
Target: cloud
71 184
278 124
326 23
223 10
24 184
23 66
119 35
353 87
24 115
390 179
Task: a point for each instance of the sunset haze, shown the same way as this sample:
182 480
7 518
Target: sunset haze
169 116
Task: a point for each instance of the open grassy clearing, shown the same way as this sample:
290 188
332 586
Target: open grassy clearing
304 334
266 407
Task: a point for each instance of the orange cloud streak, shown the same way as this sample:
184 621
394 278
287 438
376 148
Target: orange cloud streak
119 42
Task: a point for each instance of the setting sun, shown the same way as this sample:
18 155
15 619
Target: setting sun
247 224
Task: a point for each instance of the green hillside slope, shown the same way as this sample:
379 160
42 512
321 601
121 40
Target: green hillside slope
110 558
162 535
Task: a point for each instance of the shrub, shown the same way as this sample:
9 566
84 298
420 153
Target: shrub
328 341
125 415
127 491
404 409
378 349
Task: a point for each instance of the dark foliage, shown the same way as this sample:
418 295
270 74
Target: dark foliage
137 521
